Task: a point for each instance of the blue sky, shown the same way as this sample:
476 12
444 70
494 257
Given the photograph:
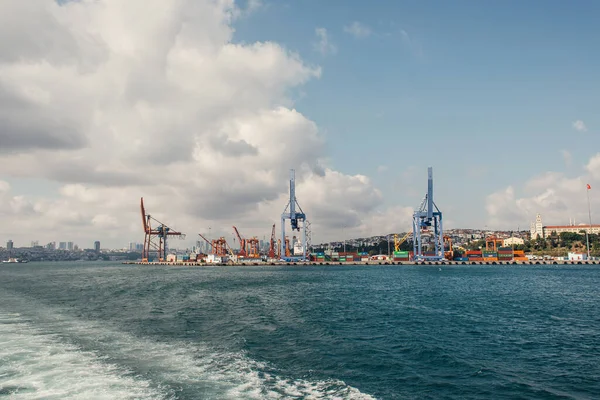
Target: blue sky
485 92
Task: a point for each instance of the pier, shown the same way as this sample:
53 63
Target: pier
374 263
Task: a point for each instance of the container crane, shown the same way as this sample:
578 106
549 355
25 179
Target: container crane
155 240
218 246
428 218
297 220
253 247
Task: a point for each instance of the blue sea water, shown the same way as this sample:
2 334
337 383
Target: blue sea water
111 331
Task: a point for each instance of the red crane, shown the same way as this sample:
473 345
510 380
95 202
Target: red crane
218 246
155 240
253 245
242 252
272 243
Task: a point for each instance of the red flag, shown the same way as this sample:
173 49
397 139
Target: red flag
588 186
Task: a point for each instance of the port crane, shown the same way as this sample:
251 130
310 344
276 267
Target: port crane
271 253
242 252
253 247
219 247
428 218
398 242
297 220
155 239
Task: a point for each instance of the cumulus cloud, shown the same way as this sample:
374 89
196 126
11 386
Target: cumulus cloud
168 107
323 44
579 125
357 30
558 197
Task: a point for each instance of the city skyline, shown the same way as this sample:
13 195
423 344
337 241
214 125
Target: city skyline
204 117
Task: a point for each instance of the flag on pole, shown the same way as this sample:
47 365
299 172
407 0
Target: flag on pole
588 186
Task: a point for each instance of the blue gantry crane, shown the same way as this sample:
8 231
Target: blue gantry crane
428 219
298 222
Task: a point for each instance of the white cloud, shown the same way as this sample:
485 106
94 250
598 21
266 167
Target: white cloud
556 196
323 44
357 29
579 125
114 107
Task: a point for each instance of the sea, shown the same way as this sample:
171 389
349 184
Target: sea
112 331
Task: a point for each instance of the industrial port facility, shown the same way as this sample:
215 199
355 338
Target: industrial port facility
429 244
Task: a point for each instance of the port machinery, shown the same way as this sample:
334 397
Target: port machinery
398 241
298 223
428 219
155 239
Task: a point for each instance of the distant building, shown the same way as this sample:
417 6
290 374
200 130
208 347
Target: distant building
70 246
51 246
35 243
97 246
9 245
512 241
538 230
62 245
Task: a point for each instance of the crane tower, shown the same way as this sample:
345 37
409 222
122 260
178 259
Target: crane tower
155 239
428 219
297 220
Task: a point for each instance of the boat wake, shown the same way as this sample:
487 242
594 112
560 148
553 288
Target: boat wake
46 354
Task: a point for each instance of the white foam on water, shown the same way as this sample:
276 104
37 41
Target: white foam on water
34 365
57 366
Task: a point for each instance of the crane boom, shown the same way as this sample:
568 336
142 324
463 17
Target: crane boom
143 210
272 243
242 252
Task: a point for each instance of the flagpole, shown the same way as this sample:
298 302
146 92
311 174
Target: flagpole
590 217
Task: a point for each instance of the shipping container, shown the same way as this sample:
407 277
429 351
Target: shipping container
461 259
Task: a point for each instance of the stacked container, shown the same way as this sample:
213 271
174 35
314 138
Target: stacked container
320 256
505 254
401 256
475 255
489 255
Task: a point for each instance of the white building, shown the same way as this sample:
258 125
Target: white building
512 241
577 256
539 230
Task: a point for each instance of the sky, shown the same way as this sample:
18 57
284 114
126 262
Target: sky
203 106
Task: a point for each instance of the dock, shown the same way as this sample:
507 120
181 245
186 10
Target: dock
374 263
